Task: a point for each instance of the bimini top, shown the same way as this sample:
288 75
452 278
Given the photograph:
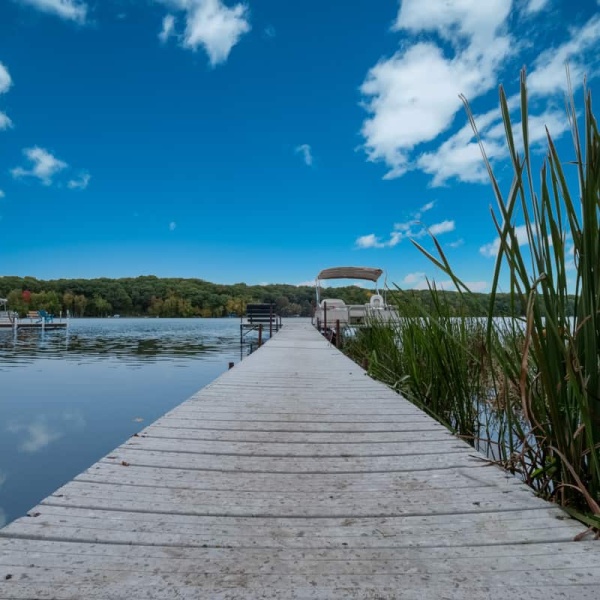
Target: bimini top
351 273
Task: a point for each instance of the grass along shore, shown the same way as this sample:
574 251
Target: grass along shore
525 390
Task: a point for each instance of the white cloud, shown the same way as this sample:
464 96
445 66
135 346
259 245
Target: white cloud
411 229
448 285
477 286
549 76
5 79
413 278
45 166
310 283
306 152
168 28
2 194
5 85
443 227
470 19
72 10
460 46
172 226
5 122
456 244
491 250
369 241
460 157
413 96
212 25
534 6
427 206
80 183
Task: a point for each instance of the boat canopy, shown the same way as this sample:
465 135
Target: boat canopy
369 273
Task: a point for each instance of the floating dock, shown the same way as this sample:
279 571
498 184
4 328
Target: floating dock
295 475
34 325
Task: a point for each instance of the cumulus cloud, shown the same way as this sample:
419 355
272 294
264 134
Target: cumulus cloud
72 10
168 28
5 85
412 278
79 183
5 122
459 157
45 165
420 281
491 250
448 285
548 75
212 25
443 227
534 6
5 79
369 241
452 47
306 152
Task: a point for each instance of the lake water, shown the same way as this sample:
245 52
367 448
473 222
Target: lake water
69 398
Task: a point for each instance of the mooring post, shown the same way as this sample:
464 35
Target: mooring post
325 316
338 334
260 327
270 321
231 365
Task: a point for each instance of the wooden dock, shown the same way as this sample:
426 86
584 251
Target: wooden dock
294 475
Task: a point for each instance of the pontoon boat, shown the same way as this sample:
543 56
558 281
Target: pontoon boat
331 310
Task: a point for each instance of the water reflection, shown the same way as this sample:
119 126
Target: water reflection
3 518
69 398
133 340
38 433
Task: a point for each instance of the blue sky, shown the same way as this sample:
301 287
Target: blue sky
264 141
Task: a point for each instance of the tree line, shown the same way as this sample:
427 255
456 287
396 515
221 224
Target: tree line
158 297
177 297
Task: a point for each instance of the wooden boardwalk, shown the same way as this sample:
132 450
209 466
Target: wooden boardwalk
294 475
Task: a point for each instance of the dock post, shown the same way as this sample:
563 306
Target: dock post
338 334
231 365
271 321
325 317
260 328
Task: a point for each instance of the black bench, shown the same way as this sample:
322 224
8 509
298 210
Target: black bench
260 313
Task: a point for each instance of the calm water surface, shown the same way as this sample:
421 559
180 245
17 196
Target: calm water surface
69 398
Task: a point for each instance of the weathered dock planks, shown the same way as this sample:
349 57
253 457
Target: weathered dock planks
294 475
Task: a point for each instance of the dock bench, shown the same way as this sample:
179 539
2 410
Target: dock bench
259 317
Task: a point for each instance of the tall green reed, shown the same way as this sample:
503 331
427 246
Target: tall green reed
436 358
547 371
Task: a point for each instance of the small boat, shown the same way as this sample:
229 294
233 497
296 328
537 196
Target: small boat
331 310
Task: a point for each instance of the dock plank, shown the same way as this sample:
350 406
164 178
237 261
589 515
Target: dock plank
294 475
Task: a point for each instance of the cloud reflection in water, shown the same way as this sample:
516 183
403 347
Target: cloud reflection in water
42 431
